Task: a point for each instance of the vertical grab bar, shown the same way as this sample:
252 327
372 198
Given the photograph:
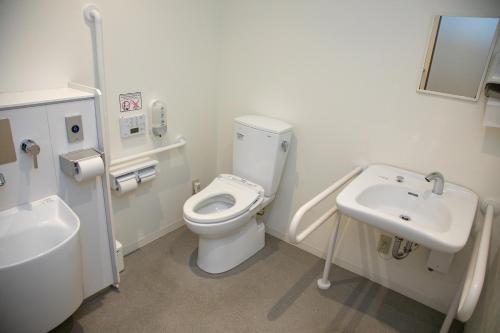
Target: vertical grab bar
295 238
93 17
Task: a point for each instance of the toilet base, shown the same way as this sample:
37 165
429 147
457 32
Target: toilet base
222 254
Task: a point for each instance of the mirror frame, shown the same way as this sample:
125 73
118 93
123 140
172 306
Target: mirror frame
431 41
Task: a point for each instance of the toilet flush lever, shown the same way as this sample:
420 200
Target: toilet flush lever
284 145
30 147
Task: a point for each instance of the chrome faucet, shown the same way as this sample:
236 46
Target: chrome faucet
31 148
438 179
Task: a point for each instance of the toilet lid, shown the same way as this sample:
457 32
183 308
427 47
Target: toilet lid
228 195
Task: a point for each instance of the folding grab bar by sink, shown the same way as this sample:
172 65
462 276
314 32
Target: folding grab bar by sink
468 293
295 238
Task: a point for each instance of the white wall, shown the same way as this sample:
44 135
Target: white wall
166 49
344 74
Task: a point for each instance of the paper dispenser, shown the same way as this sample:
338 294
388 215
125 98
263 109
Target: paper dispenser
492 81
127 177
82 164
492 92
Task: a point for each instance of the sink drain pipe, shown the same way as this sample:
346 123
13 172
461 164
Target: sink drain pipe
399 254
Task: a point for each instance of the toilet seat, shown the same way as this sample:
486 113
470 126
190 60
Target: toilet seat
226 197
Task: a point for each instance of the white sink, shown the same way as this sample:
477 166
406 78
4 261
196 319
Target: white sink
40 266
409 209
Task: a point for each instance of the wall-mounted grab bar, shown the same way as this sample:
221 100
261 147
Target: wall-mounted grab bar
179 142
468 293
477 269
323 283
93 17
297 218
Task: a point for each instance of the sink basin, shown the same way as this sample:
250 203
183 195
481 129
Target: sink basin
40 266
401 202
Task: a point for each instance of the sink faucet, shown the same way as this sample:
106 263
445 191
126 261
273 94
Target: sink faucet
438 179
31 148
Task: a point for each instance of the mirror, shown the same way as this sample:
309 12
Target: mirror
458 55
7 149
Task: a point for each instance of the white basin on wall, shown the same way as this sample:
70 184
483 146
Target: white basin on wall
401 202
40 266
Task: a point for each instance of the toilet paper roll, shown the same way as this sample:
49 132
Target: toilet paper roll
148 178
127 185
89 168
147 175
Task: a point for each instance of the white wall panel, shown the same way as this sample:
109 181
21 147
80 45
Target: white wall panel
45 125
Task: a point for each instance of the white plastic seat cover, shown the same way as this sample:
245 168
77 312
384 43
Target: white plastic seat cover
222 192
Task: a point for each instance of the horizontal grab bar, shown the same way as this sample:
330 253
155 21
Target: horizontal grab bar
297 218
180 141
315 225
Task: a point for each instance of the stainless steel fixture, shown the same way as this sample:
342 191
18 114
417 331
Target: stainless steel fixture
401 253
438 179
30 147
69 161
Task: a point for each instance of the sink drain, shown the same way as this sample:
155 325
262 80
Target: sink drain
405 217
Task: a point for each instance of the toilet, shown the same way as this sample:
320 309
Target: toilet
223 214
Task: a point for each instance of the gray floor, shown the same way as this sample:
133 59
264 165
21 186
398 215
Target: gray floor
162 290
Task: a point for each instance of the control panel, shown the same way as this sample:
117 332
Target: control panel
74 128
132 125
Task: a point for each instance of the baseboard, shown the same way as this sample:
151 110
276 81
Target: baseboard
303 246
151 237
361 271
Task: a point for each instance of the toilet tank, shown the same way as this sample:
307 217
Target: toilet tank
260 149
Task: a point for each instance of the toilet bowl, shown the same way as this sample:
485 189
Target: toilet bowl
223 216
224 213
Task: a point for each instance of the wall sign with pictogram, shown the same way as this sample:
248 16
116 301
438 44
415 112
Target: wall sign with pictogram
130 102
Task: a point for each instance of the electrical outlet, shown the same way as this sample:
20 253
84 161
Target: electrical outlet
384 244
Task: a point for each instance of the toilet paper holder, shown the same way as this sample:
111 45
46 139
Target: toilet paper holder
69 161
142 170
